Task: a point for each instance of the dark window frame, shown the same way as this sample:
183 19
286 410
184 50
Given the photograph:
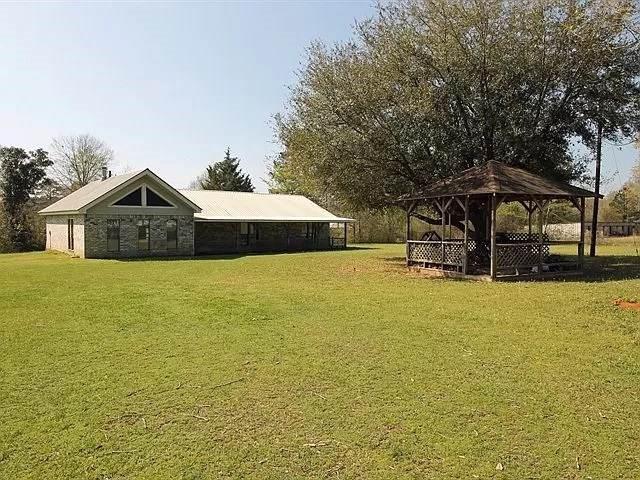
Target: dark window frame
113 224
175 222
145 224
253 231
163 203
131 195
244 237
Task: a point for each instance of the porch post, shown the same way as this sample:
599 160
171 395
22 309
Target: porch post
465 243
494 250
581 244
530 211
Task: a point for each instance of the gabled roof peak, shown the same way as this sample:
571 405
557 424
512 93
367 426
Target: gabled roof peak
79 200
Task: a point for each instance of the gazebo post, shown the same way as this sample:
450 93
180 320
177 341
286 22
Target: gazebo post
494 256
530 210
409 212
345 234
442 214
465 243
581 244
540 228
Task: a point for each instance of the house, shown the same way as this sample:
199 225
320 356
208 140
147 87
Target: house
617 229
140 215
605 229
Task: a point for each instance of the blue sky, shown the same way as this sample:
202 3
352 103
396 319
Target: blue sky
168 86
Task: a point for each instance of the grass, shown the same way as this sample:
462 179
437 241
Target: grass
343 366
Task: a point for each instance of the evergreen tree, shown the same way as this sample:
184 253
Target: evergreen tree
226 175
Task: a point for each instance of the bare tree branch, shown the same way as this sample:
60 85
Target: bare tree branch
78 159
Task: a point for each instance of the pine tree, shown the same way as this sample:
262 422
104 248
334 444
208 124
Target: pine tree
226 175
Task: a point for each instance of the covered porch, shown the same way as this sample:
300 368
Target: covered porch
468 243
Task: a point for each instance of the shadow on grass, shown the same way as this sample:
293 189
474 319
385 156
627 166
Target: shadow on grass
610 267
235 256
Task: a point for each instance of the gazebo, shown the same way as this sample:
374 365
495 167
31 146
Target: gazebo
475 194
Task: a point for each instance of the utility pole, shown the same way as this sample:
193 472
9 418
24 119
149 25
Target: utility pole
596 199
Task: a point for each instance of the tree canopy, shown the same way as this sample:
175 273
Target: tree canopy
22 174
428 88
226 175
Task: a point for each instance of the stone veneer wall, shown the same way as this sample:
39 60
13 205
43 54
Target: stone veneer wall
96 236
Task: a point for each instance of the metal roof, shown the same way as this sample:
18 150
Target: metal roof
496 177
87 194
84 197
220 206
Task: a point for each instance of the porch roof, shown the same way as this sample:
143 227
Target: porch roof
495 177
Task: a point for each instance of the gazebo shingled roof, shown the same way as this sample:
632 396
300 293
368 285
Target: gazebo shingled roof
501 179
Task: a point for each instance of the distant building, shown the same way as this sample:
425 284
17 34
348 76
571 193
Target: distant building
618 229
605 229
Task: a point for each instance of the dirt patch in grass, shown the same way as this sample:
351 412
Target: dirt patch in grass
627 304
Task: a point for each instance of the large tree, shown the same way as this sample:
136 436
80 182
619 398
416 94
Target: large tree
226 175
78 159
428 88
22 174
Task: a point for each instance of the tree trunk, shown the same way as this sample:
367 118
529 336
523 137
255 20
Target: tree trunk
596 199
477 218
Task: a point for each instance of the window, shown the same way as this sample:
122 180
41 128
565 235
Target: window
248 231
155 200
253 231
113 235
134 199
143 234
70 233
172 235
244 234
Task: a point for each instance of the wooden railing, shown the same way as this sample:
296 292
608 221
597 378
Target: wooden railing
337 242
517 251
528 254
447 252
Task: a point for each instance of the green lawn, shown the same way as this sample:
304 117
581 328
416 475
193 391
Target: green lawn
314 365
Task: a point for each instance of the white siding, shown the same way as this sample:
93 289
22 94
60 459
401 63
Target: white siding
57 234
